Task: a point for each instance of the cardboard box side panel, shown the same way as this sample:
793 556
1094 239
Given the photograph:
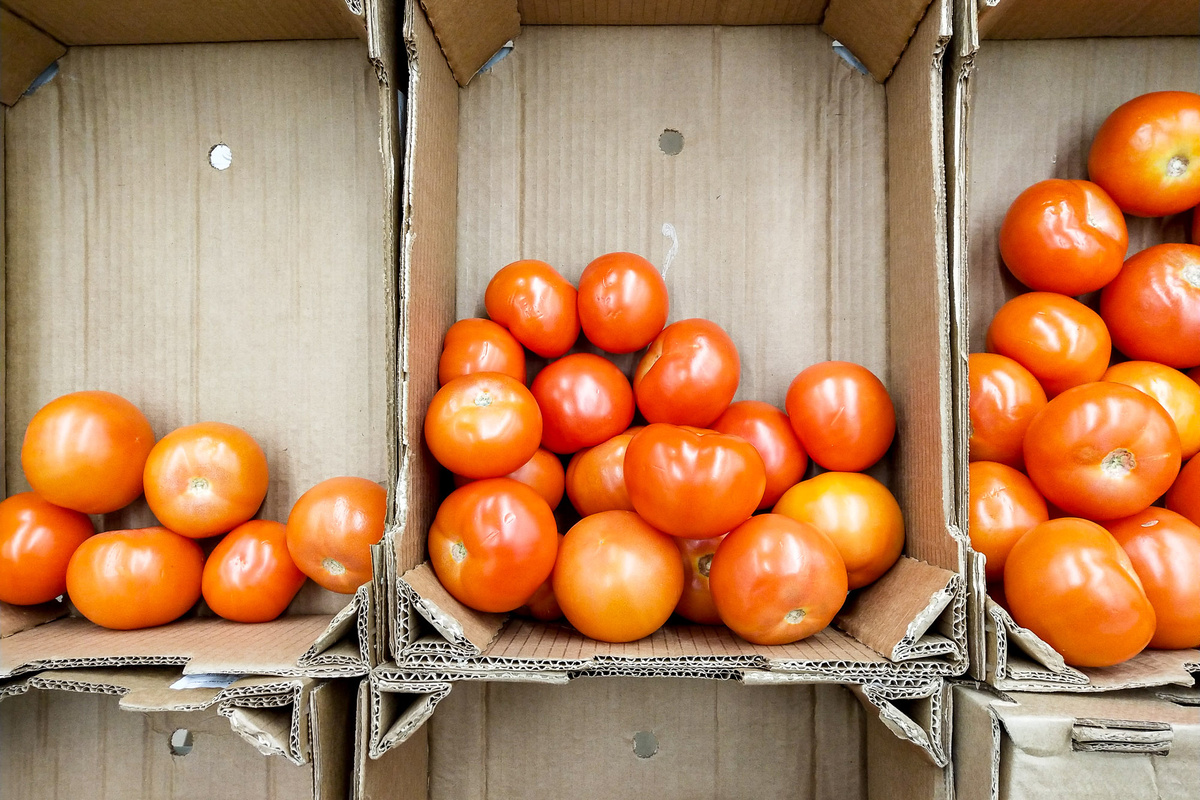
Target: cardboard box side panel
25 52
897 769
6 623
402 773
976 746
1033 19
331 717
876 31
470 32
674 12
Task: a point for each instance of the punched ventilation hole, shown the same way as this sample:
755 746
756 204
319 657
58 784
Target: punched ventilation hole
180 742
220 156
645 744
670 142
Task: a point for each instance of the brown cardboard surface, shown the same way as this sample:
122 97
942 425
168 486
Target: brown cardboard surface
470 32
882 615
25 52
876 31
1030 19
677 12
14 619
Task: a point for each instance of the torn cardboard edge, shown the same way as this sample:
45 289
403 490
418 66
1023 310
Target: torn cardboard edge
396 709
919 715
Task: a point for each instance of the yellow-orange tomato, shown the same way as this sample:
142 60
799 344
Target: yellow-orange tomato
1004 399
543 473
250 576
1184 494
1060 340
331 529
480 345
483 425
37 540
768 429
596 476
1004 506
1173 390
696 603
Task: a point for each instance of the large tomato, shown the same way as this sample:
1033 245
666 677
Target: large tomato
693 483
1060 340
205 479
775 580
1146 155
135 578
617 578
483 425
85 451
858 514
767 428
1004 398
542 604
1174 391
331 529
1003 507
1152 308
1184 495
543 473
37 540
480 345
596 476
689 375
584 399
1069 582
537 304
1064 236
696 603
250 576
842 415
1102 451
622 302
493 543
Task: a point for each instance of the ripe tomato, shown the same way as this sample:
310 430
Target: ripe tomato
493 543
1102 451
617 578
1004 506
331 529
596 476
250 576
1146 155
537 304
1060 340
693 483
85 451
1070 583
842 415
767 428
542 604
1164 548
689 375
584 400
775 580
696 603
1173 390
135 578
1152 308
543 473
1003 401
1064 236
622 302
1184 495
205 479
858 514
480 345
483 425
36 542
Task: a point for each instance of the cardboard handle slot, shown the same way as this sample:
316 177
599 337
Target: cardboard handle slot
1122 736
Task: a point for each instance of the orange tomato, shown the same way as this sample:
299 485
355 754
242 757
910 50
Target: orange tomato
596 476
37 540
1004 398
584 399
842 415
1004 506
331 529
536 304
689 375
480 345
696 603
768 429
1060 340
250 576
543 473
1152 308
1184 495
1173 390
483 425
623 302
543 605
85 452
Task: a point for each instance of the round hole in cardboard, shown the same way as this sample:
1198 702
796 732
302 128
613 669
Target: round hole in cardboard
645 744
220 156
670 142
180 742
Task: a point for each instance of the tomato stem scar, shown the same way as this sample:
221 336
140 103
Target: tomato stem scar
458 552
704 564
333 567
1119 462
1177 166
794 616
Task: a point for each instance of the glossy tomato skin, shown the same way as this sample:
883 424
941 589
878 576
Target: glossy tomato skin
1146 155
205 479
542 604
1069 582
331 528
1064 236
857 513
135 578
480 345
37 540
1058 339
537 304
623 302
596 476
483 425
1152 308
1184 495
1004 398
584 399
1004 506
696 603
775 580
617 578
543 473
250 576
842 414
689 374
493 543
1173 390
85 451
768 429
693 483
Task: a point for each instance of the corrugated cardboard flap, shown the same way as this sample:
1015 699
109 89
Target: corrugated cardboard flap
916 713
876 31
14 619
25 52
398 708
471 31
467 632
1036 19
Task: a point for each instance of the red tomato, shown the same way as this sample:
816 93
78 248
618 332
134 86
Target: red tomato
775 580
692 483
622 302
689 375
1153 306
493 543
596 476
1070 583
842 415
483 425
480 345
696 603
1184 495
1102 451
617 578
584 399
767 428
1064 236
205 479
1146 155
1004 399
1060 340
331 529
36 542
250 576
537 304
1173 390
543 605
85 451
1004 506
543 473
136 578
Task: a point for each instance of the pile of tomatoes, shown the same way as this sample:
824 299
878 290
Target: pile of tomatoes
663 517
94 453
1072 448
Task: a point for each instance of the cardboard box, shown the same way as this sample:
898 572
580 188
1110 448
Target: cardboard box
1030 83
262 294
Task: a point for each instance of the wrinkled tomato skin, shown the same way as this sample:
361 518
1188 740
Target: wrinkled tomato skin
1004 399
1058 339
1174 391
536 304
768 429
483 425
584 400
696 603
1152 308
1184 495
37 540
480 345
331 528
250 576
623 302
842 414
1004 505
543 473
596 476
689 374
